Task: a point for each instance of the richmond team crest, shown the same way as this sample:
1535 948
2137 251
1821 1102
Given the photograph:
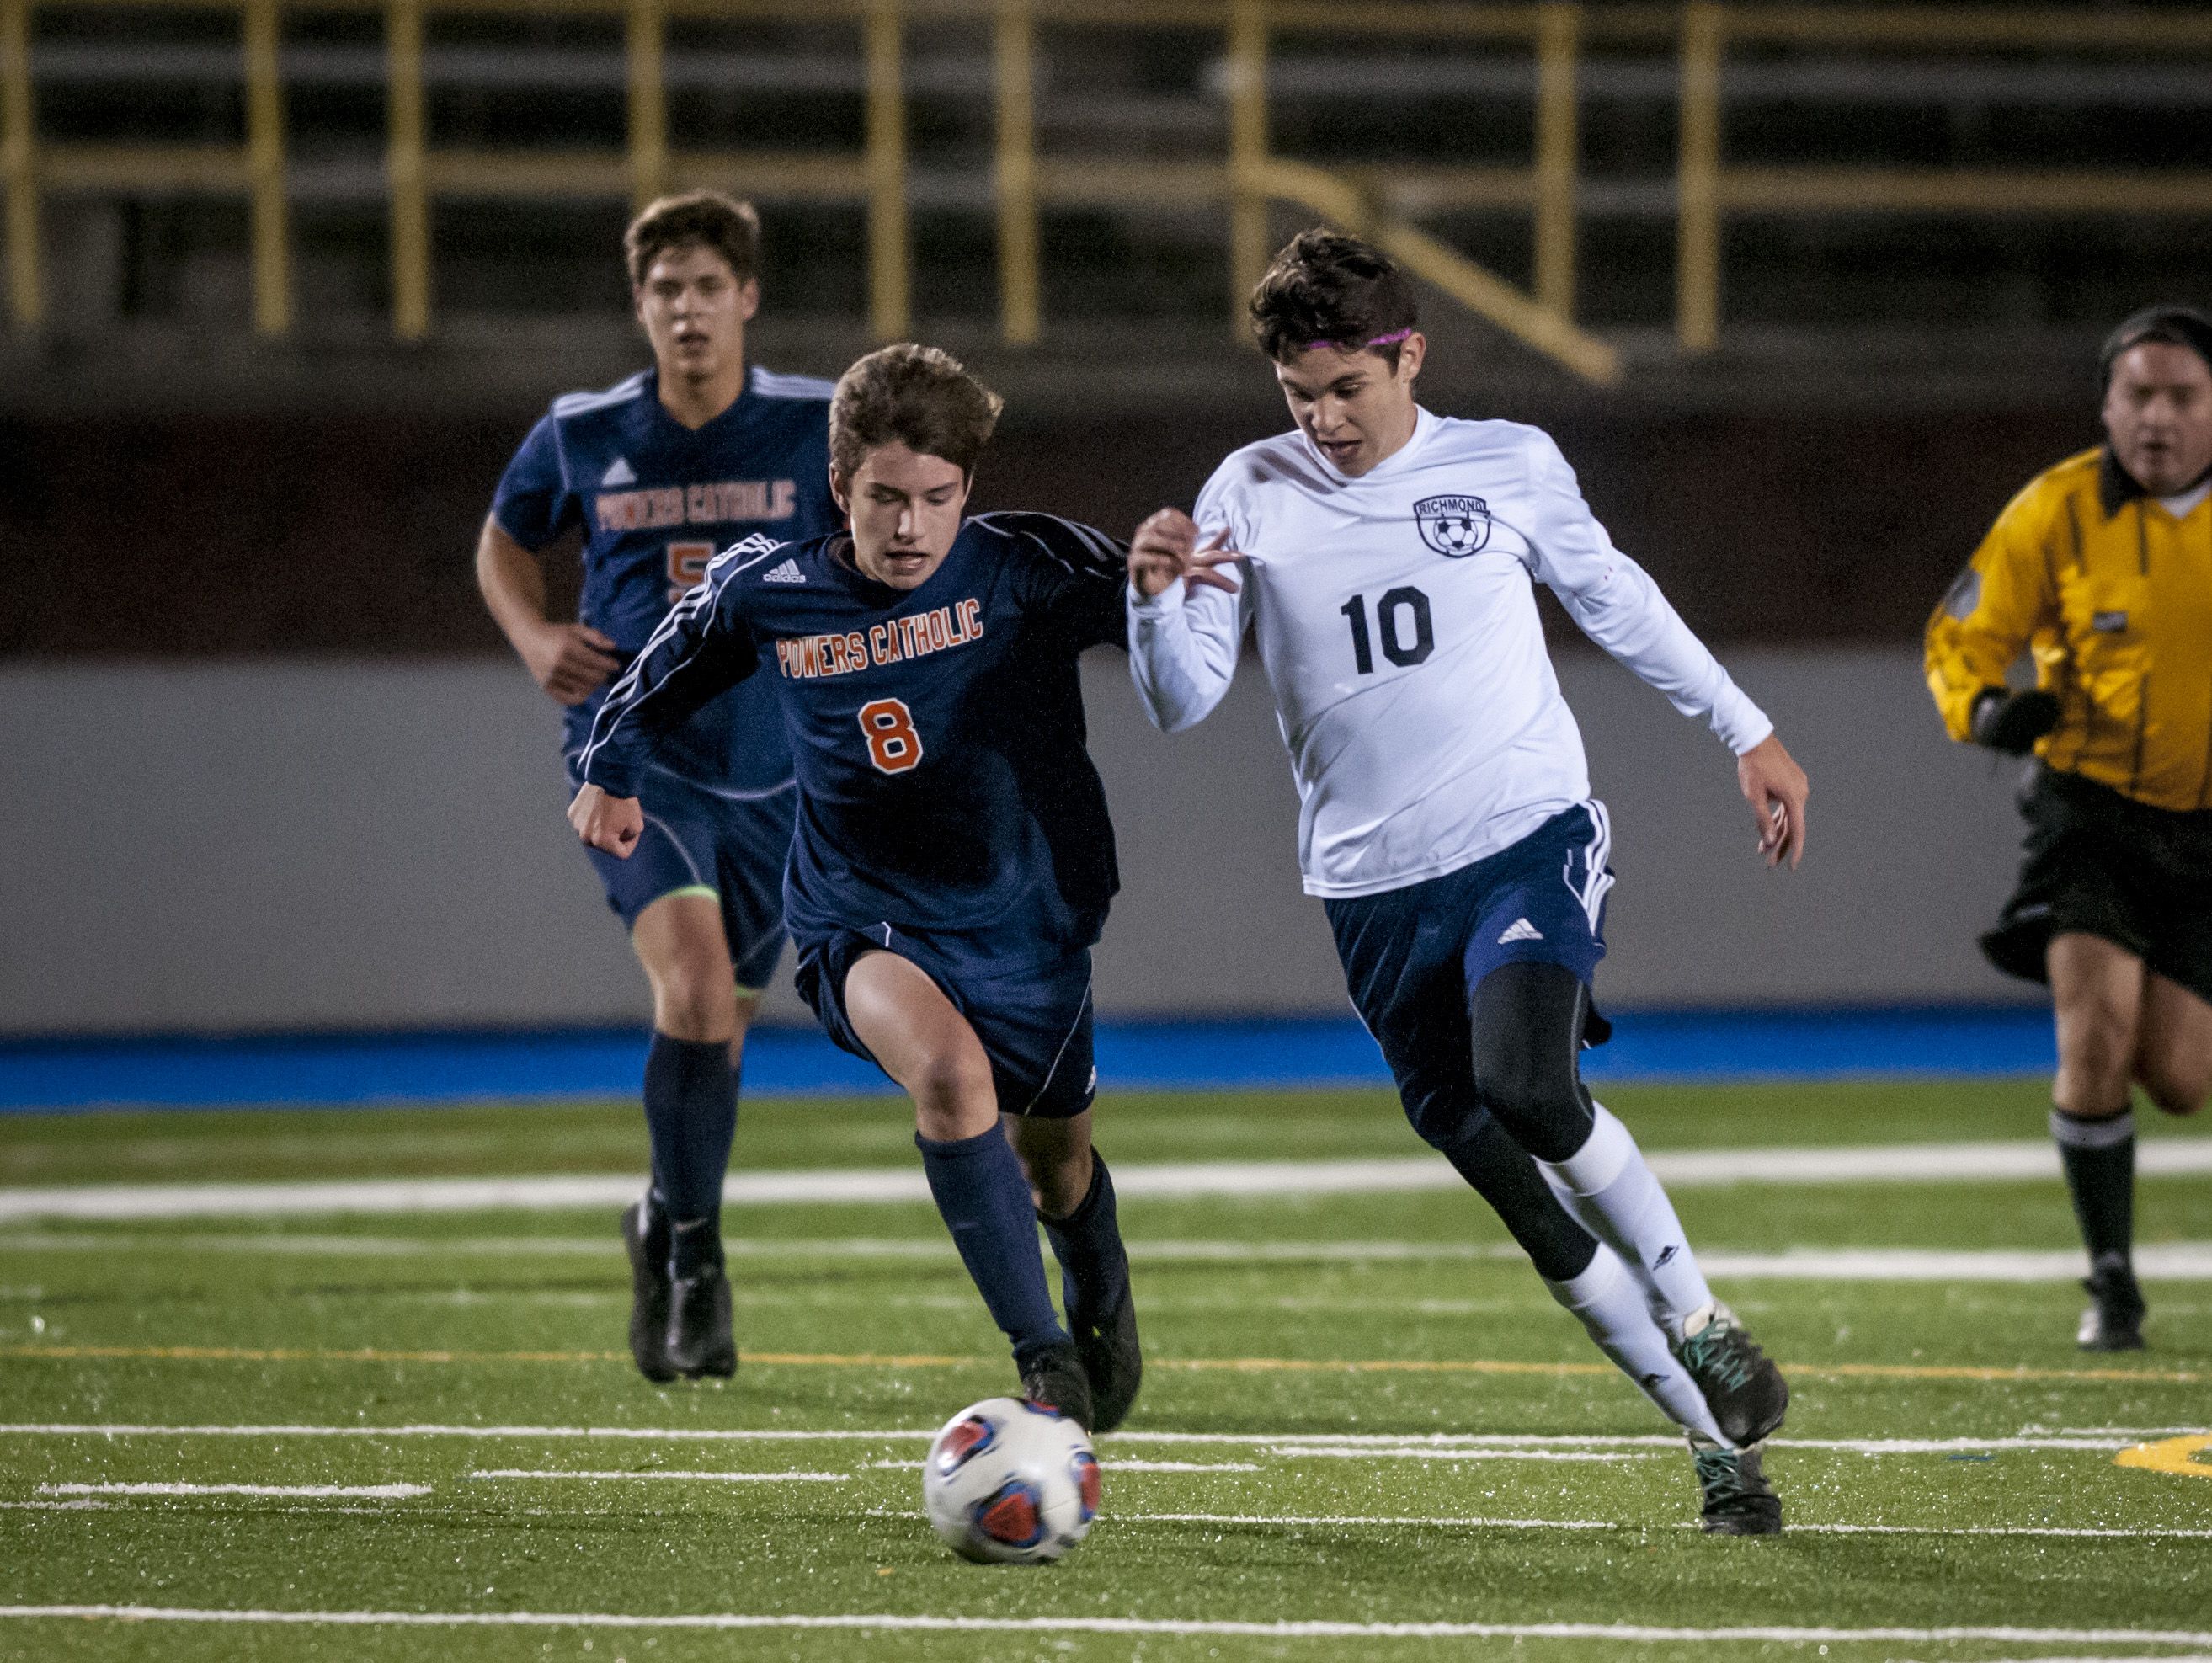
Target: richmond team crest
1454 526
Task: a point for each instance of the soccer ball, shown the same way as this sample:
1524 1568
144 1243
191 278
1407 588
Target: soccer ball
1009 1483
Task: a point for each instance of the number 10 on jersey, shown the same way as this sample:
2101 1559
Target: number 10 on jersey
893 745
1398 611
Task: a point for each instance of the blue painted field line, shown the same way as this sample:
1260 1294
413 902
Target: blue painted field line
335 1070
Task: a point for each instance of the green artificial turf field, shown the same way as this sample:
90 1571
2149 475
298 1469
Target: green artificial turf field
1361 1409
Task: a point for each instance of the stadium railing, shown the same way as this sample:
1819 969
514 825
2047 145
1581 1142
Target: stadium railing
1380 202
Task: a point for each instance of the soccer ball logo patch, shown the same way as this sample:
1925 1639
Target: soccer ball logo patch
1454 526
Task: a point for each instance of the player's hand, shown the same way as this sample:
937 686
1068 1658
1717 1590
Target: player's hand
571 661
611 823
1776 787
1166 547
2013 722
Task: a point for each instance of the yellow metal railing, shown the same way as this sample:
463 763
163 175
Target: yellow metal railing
1380 202
1708 189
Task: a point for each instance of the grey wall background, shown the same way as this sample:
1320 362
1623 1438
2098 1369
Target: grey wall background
311 844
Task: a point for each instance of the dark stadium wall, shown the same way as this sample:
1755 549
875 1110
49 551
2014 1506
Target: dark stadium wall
190 535
347 844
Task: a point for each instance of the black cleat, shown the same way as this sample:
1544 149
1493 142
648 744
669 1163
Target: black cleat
645 1237
2113 1321
1054 1379
1740 1385
1113 1361
700 1337
1738 1499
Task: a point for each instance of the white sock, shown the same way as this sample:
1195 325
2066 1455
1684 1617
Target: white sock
1612 1306
1612 1193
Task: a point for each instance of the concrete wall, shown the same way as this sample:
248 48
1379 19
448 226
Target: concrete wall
290 844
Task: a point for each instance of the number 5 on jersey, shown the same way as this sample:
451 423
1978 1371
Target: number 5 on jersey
893 745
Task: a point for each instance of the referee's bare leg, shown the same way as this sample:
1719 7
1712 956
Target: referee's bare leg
2119 1023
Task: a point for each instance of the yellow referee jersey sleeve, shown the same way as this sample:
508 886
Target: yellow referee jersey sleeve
2113 597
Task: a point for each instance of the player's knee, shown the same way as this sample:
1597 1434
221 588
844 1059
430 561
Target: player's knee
1058 1180
1539 1102
695 1002
2094 1065
954 1084
1443 1121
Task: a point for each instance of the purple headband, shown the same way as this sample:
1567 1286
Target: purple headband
1394 337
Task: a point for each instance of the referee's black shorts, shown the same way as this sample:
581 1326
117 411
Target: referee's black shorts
2103 865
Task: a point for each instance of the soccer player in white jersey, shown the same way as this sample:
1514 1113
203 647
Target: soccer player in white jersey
1385 558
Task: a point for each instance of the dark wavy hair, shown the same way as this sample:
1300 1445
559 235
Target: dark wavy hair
922 398
697 219
1332 290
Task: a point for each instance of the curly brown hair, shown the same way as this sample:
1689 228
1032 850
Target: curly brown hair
697 219
920 396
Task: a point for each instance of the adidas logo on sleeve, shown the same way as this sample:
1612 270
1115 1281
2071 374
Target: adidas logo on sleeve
1520 930
787 573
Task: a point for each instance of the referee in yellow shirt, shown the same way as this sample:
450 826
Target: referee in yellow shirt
2102 569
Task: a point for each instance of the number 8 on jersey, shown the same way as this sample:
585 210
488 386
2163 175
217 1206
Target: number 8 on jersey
893 745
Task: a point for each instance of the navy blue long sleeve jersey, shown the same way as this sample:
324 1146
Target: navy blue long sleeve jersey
937 732
655 500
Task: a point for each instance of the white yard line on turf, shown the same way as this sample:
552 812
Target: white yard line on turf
702 1478
1120 1466
1393 1444
1297 1451
1630 1632
1459 1521
2157 1261
1382 1443
1877 1164
349 1492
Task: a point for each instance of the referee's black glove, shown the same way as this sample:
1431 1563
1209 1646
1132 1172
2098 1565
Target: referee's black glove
2013 722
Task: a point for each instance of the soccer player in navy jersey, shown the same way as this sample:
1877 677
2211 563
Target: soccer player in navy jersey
657 473
953 860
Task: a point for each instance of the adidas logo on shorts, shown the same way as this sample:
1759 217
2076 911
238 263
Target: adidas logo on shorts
787 573
1520 930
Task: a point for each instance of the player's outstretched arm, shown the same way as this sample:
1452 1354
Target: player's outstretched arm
1182 640
570 661
1776 787
611 823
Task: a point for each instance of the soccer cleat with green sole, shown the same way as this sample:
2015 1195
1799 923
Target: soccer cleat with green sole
1740 1383
1739 1500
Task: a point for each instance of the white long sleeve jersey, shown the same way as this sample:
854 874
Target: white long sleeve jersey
1396 620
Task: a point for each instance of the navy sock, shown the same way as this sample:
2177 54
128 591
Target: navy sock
985 1202
690 1115
2099 1158
1094 1268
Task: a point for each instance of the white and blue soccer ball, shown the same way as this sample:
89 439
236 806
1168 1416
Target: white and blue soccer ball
1009 1483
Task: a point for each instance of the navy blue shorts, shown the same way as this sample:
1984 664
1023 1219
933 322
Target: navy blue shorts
1412 957
1034 1020
698 842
